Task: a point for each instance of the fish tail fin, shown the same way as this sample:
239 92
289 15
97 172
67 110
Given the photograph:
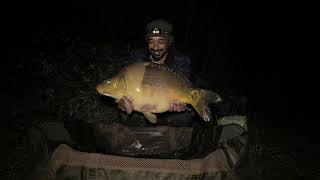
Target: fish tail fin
200 100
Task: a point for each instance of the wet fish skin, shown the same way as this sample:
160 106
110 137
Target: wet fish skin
154 88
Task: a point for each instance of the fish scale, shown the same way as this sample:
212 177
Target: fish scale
163 67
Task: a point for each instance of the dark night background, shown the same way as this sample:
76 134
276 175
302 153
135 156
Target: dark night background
238 46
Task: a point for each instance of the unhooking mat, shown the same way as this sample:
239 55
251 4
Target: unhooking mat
67 163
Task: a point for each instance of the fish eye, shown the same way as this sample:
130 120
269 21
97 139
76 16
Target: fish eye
108 82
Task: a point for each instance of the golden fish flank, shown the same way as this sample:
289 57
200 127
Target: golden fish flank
153 88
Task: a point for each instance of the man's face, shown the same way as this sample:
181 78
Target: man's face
158 47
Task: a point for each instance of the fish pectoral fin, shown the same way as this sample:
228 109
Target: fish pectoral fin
151 117
127 105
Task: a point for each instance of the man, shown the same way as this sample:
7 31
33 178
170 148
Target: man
160 49
205 138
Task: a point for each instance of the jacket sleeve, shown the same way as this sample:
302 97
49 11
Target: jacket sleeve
183 64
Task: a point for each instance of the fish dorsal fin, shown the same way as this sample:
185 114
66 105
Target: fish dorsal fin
164 67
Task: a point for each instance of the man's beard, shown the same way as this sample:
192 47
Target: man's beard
158 54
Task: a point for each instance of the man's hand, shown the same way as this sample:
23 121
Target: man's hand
177 106
125 104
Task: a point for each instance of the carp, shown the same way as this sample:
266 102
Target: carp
154 87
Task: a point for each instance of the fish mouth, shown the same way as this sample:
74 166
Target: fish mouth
106 94
99 89
101 92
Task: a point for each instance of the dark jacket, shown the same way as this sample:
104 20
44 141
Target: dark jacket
175 59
